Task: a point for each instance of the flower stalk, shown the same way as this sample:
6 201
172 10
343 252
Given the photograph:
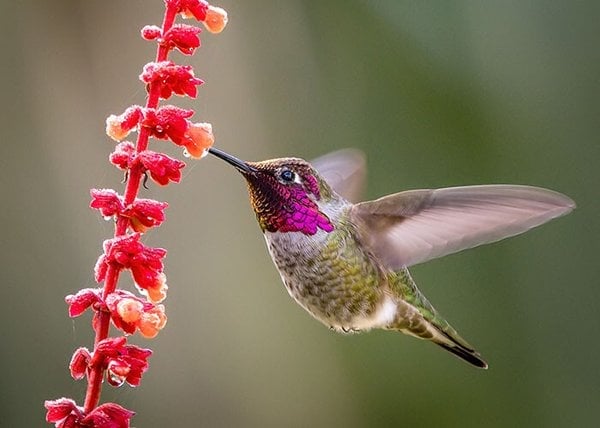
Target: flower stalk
112 358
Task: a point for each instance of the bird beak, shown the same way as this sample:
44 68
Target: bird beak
241 166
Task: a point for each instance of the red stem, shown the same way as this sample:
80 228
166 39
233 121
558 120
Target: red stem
96 373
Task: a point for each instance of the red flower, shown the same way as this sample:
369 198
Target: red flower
123 363
145 263
80 362
200 139
123 155
182 37
161 167
142 213
168 122
63 412
108 415
191 8
145 213
129 313
118 127
85 298
107 201
171 78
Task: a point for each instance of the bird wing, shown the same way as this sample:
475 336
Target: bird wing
344 171
412 227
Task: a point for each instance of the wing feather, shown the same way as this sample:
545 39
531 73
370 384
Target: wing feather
345 171
412 227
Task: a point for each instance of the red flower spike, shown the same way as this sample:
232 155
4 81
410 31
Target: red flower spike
123 155
79 363
118 127
107 201
113 358
171 78
191 8
151 32
108 415
161 167
216 19
183 38
63 413
79 302
200 139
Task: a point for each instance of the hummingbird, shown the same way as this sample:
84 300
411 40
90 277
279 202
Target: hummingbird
346 262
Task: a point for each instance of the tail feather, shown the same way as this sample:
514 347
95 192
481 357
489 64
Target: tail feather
469 355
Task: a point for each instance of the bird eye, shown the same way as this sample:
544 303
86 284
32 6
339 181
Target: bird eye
287 175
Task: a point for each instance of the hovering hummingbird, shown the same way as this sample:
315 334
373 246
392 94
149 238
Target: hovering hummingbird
347 263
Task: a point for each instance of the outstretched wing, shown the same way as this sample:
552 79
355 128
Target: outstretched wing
345 171
412 227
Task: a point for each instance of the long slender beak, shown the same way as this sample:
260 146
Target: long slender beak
241 166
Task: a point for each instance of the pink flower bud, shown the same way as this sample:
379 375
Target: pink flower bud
151 32
216 19
152 321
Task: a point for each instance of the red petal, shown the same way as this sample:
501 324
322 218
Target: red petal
100 268
118 127
110 346
195 8
107 201
79 302
108 415
59 409
79 363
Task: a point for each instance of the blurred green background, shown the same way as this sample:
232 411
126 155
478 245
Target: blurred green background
436 93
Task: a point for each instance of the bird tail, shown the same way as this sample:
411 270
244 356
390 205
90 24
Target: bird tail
460 350
417 317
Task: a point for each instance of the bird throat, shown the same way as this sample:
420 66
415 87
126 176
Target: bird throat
286 209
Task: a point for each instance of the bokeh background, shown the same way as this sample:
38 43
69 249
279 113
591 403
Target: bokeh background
436 94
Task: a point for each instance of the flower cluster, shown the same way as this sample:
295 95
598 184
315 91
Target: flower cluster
112 358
